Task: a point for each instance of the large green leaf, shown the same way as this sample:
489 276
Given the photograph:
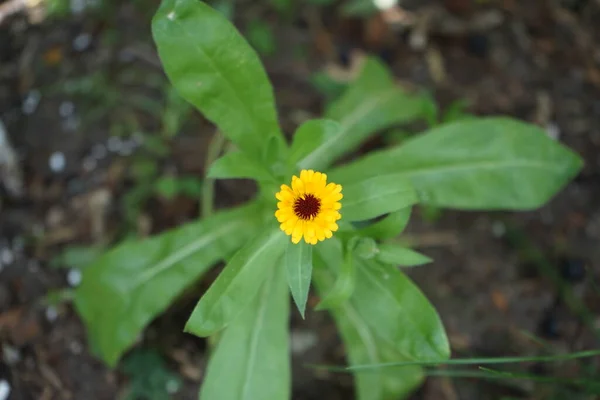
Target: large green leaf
393 307
298 265
310 135
251 361
377 195
214 68
363 344
373 102
238 283
487 163
123 290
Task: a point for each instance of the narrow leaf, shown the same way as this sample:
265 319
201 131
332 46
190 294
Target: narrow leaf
363 346
252 360
298 264
127 287
393 307
238 165
390 253
389 227
237 284
213 67
377 195
371 103
486 163
310 135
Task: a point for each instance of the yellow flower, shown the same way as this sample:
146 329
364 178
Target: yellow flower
309 208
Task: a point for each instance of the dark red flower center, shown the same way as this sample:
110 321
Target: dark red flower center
307 207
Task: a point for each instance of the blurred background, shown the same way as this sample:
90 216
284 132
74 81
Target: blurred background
96 148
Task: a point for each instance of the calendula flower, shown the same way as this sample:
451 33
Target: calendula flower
310 208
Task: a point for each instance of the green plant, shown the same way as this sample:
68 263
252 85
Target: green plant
469 164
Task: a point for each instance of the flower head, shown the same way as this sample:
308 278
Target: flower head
309 208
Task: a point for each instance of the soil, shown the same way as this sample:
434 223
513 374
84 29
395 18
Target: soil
68 85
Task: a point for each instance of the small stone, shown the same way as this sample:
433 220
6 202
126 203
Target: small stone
172 386
7 257
114 144
301 341
89 164
31 102
5 389
99 151
66 109
75 347
10 355
74 277
82 42
51 314
498 229
553 131
57 161
385 4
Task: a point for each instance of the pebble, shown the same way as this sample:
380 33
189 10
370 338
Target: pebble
74 277
553 131
172 386
99 151
31 102
114 144
89 164
4 389
57 161
301 341
66 109
75 347
51 314
385 4
78 6
7 257
82 42
498 229
10 355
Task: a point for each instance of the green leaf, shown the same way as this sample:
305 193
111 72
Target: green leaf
488 163
360 8
375 196
396 255
344 284
127 287
403 317
389 227
310 135
298 264
252 359
373 102
148 376
392 306
214 68
260 35
167 186
238 283
238 165
365 248
364 346
76 257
